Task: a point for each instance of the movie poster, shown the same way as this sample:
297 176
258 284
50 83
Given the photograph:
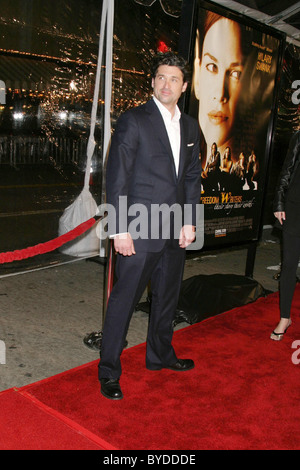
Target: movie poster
233 96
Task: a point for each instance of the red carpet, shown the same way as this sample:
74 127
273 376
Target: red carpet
242 394
28 425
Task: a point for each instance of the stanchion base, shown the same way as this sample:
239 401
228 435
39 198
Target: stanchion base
94 341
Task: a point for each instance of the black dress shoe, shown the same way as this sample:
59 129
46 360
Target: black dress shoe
181 365
110 388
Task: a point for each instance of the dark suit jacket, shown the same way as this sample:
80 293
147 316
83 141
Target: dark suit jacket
287 194
141 167
287 174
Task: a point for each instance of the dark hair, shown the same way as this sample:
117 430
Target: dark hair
204 24
172 59
210 18
229 153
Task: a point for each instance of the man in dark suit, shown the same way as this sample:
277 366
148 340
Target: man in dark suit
153 161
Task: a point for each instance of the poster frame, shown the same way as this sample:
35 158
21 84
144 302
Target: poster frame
188 26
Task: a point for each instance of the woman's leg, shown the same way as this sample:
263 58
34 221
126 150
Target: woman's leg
290 259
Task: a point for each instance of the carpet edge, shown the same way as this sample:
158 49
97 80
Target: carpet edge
69 422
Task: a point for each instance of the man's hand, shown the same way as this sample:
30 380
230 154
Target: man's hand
187 236
280 216
124 245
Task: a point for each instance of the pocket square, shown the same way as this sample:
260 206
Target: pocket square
190 145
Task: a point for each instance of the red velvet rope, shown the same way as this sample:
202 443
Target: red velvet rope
51 245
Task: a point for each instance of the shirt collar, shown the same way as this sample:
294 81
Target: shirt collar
165 113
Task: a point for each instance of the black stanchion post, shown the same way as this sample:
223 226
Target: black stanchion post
109 275
93 340
250 261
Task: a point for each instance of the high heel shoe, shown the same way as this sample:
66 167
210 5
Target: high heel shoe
279 336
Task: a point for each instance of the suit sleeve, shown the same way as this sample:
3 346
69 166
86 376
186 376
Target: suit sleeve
120 164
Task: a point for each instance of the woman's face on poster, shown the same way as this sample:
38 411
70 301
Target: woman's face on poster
217 80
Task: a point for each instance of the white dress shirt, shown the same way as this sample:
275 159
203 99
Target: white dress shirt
173 129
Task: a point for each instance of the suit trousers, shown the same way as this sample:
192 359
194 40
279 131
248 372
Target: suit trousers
165 270
290 259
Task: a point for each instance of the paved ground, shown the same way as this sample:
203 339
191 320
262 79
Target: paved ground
46 312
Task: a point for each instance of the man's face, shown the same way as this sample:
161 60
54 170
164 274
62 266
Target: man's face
168 85
218 83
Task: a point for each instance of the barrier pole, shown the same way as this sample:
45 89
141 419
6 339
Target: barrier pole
109 275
